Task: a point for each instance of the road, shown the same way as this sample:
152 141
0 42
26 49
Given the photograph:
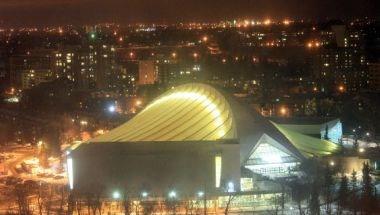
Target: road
21 155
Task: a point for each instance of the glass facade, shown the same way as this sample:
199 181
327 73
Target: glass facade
271 161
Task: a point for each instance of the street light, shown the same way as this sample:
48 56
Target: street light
332 163
200 194
172 194
230 187
111 108
361 150
144 194
116 195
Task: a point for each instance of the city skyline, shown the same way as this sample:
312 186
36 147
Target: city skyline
42 12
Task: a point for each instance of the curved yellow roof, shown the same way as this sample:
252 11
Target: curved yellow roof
189 112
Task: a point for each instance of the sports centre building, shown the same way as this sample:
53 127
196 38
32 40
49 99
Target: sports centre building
195 138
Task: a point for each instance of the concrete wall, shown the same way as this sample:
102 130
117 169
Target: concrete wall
156 167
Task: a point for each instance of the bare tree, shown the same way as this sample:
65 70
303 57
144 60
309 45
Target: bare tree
148 207
48 200
300 192
171 205
22 193
70 202
231 197
127 204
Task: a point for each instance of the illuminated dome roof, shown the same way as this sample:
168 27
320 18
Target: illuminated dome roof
190 112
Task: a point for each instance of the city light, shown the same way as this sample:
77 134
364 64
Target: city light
116 195
230 187
283 111
138 102
172 194
273 158
218 170
40 143
174 54
341 88
144 194
195 55
200 194
83 122
111 108
332 163
70 172
286 22
313 44
205 39
361 150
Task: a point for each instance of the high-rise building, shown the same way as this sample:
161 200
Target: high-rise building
30 69
374 77
147 72
341 69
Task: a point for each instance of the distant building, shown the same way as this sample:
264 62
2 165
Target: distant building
190 139
90 66
341 69
30 69
374 74
147 72
31 78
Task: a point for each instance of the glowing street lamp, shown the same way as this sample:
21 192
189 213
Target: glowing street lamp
200 194
286 22
83 122
341 88
267 22
361 150
195 55
138 102
283 111
112 108
174 55
116 195
172 194
205 39
230 187
144 194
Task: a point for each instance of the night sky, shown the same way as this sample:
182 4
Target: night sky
42 12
